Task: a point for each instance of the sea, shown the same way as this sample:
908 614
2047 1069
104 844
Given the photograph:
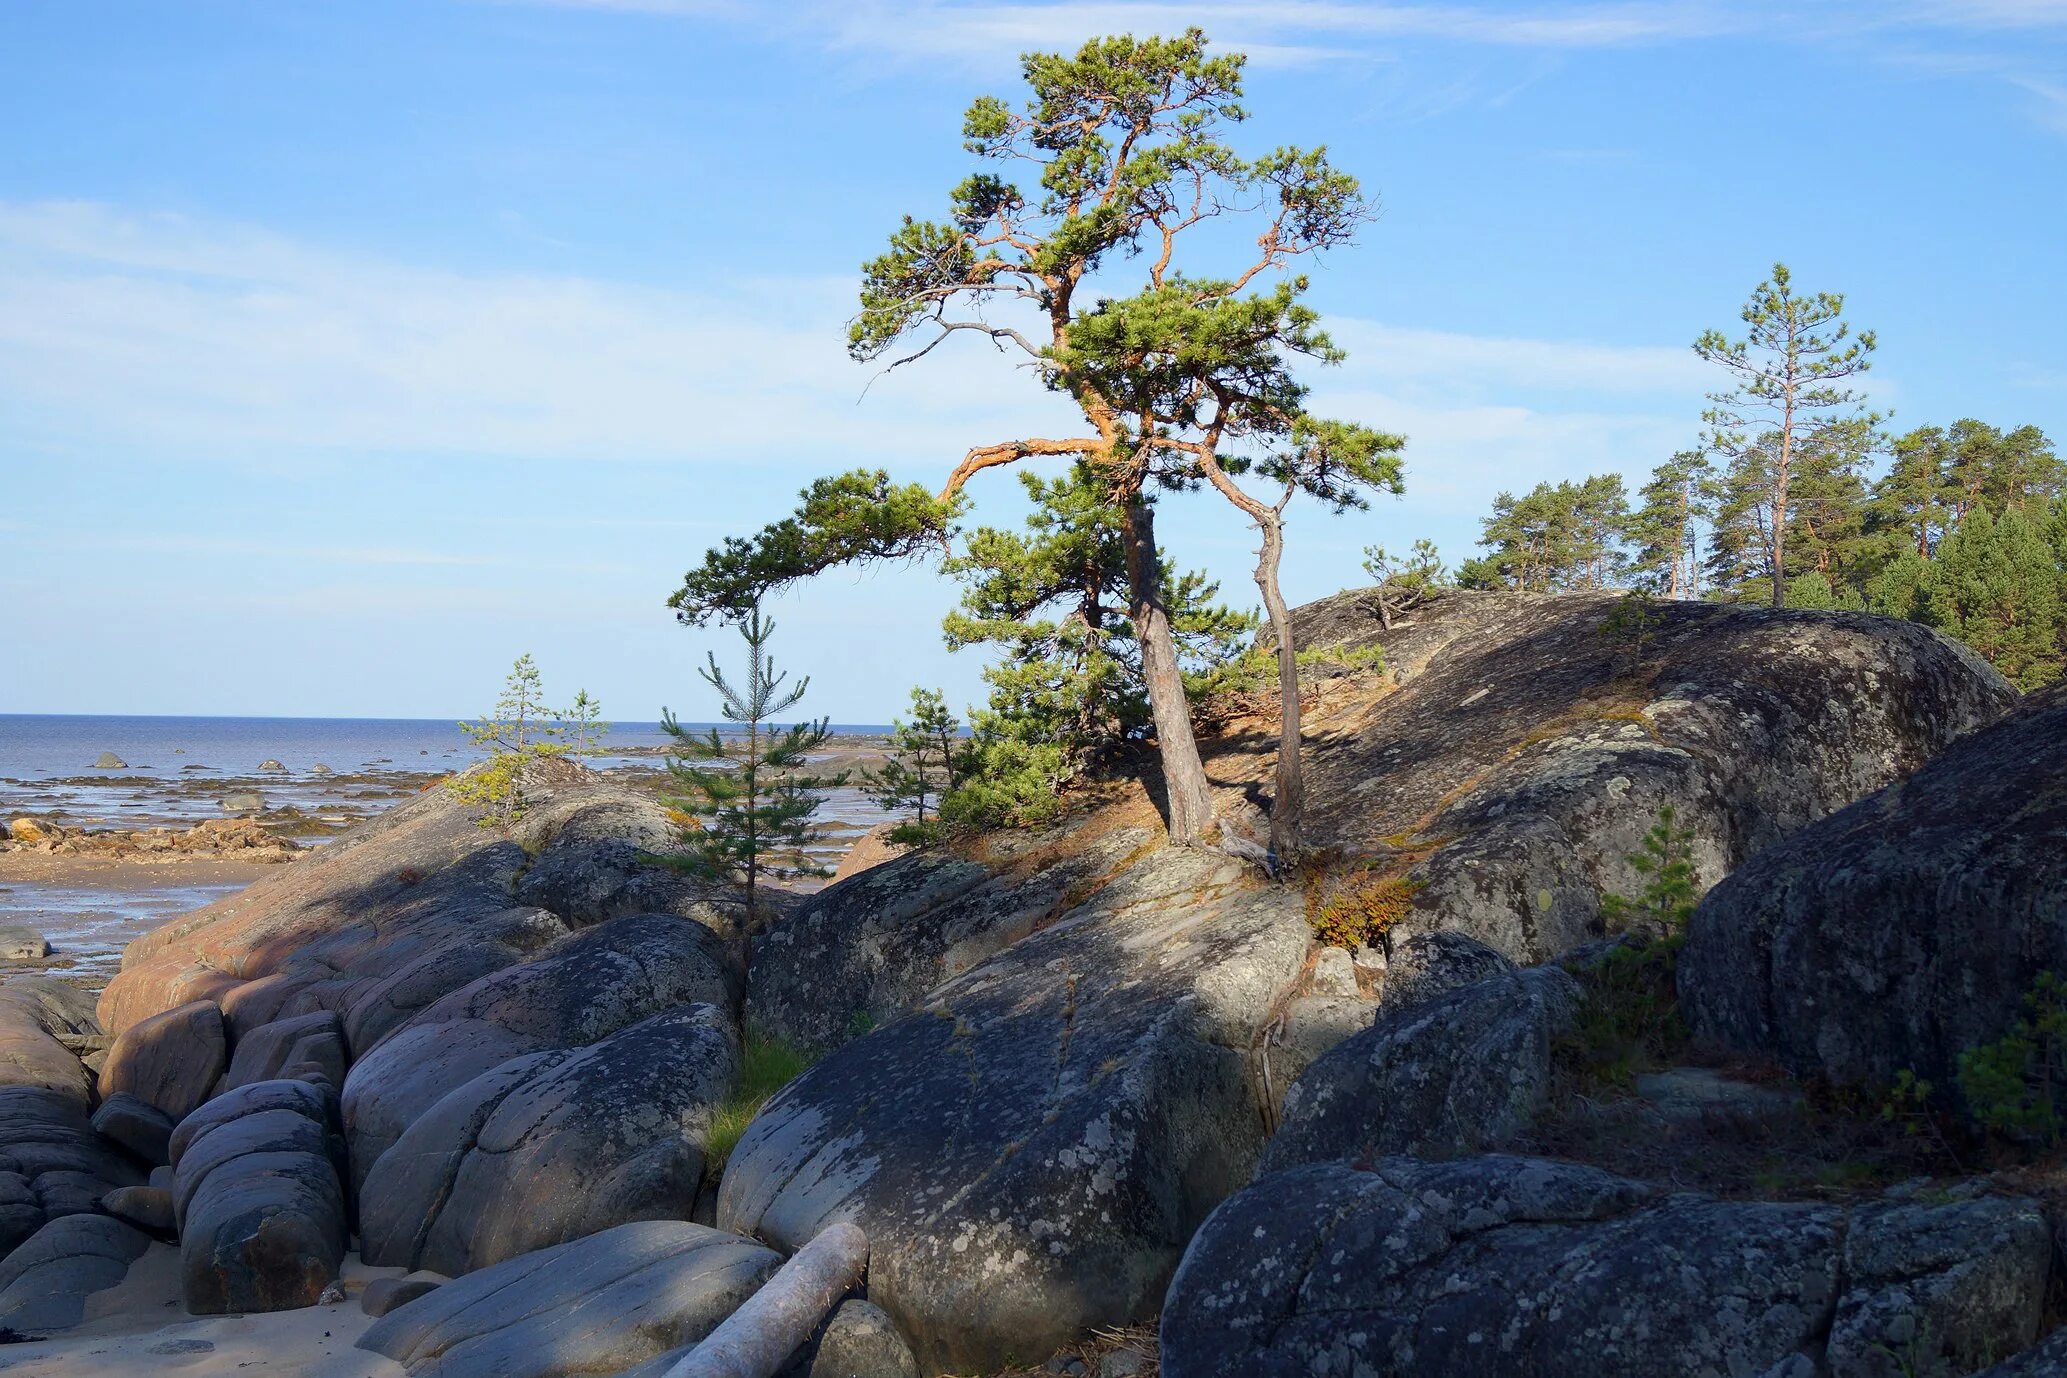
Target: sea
178 771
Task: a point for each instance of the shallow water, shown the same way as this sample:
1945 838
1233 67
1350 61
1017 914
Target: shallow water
88 926
177 771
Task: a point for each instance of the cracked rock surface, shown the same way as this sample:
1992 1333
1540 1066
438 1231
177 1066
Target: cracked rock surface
1029 1152
554 1145
1499 1265
1904 930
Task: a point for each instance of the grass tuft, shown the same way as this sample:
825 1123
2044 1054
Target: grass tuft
766 1065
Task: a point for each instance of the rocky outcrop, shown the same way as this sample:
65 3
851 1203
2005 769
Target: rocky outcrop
1495 1266
599 1305
421 889
1901 931
577 991
1030 1151
52 1163
1458 1073
136 1125
1523 753
867 950
41 1022
307 1045
258 1200
170 1061
552 1146
45 1282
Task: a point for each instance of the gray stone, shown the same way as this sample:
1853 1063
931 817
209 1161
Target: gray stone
1334 973
147 1208
1461 1072
419 973
306 1099
1312 1025
867 950
2045 1360
1939 1287
243 802
108 760
171 1060
580 989
1123 1363
1493 1266
1896 934
22 944
383 1295
1029 1153
1703 1096
397 912
553 1146
858 1340
302 1046
1517 765
260 1206
44 1283
1422 966
271 766
601 1304
52 1163
138 1126
40 1019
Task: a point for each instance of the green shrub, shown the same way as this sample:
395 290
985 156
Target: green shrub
1008 784
2011 1085
1628 1019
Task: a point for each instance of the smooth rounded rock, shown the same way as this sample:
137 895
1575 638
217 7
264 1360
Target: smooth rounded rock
171 1060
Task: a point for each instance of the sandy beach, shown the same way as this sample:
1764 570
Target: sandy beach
137 1327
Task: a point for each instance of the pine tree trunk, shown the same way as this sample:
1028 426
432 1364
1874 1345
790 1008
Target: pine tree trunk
1288 800
1184 774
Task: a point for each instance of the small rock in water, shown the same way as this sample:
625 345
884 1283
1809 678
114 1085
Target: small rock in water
320 769
271 765
243 802
108 760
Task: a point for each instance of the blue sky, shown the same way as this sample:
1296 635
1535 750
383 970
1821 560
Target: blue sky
348 350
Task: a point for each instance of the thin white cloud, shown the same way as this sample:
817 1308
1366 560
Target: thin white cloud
213 340
224 341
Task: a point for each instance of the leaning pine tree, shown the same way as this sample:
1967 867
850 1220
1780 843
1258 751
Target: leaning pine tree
749 793
1172 370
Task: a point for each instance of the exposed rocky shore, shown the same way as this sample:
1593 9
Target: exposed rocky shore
1070 1080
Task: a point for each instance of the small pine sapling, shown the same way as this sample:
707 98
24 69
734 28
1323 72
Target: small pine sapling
923 766
583 725
748 794
1632 624
1672 885
520 729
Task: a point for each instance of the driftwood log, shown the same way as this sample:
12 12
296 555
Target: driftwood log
757 1339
